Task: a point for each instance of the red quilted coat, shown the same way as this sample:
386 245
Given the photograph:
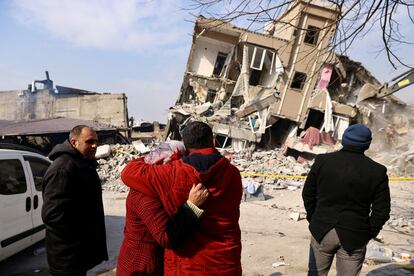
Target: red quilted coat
144 232
215 246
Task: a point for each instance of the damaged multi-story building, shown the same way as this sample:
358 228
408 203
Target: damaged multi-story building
42 115
269 88
43 100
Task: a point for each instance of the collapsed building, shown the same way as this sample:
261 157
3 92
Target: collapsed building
280 87
43 100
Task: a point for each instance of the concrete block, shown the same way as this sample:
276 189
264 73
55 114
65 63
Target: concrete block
103 151
140 147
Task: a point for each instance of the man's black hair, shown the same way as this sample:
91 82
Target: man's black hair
197 135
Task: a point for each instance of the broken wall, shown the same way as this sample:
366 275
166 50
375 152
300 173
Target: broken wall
283 27
24 105
205 55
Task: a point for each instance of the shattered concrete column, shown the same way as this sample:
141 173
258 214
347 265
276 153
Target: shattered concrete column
200 89
225 72
242 84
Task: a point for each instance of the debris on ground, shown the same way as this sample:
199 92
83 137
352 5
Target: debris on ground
277 264
378 254
111 166
402 223
297 216
103 151
113 158
252 190
269 162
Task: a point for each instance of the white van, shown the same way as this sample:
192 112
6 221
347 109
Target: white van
21 176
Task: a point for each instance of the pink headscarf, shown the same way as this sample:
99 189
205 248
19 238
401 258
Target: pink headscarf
166 152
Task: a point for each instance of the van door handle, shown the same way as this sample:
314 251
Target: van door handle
35 202
28 204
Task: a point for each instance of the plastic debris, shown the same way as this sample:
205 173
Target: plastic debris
277 264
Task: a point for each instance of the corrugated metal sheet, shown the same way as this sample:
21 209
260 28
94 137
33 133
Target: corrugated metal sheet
74 91
44 126
4 123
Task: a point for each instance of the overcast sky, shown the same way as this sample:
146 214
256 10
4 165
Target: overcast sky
138 47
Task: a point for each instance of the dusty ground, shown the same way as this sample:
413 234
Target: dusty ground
268 236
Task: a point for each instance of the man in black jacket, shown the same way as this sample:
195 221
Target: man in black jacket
72 206
347 200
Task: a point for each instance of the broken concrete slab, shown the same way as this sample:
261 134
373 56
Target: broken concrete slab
103 151
257 104
297 216
140 147
203 109
236 132
109 168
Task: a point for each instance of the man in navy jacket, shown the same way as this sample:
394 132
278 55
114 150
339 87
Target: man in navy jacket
347 200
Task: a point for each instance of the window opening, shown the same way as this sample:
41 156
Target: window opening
222 141
298 80
255 77
220 61
211 95
315 119
312 34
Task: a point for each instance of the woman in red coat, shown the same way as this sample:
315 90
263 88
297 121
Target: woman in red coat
148 229
215 245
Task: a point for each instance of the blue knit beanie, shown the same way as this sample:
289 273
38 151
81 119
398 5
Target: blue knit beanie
357 136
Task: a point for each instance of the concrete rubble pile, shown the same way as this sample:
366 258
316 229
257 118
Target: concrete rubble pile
395 145
399 162
270 162
263 170
115 157
111 165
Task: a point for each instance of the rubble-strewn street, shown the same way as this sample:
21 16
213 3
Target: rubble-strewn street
276 244
270 235
275 230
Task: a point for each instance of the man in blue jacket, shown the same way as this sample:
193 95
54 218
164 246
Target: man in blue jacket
347 200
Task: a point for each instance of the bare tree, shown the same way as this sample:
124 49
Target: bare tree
356 19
